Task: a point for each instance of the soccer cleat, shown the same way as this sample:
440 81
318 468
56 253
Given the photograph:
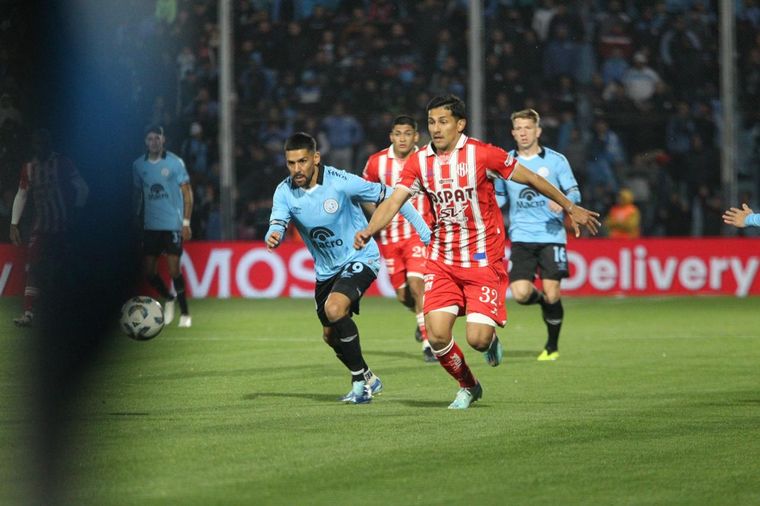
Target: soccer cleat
185 321
495 353
25 320
417 334
376 386
361 393
467 396
548 356
169 311
428 356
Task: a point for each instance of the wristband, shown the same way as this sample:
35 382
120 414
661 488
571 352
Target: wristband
185 222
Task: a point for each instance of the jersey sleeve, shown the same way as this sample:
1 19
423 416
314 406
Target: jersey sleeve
280 215
370 170
753 220
417 221
499 163
567 182
361 190
182 176
409 179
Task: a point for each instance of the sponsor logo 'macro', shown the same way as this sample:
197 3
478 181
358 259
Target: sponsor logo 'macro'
321 237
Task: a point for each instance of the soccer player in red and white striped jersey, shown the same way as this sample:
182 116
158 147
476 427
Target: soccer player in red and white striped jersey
401 247
465 267
54 185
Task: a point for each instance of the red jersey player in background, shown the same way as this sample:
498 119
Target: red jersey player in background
54 185
400 246
465 272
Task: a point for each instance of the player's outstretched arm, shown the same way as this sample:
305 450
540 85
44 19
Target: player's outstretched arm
417 221
579 215
381 217
741 218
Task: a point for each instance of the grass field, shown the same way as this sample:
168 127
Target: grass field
654 401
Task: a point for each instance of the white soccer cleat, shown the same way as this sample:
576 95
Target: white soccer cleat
185 321
169 311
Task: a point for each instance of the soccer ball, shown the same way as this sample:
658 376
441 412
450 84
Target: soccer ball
142 318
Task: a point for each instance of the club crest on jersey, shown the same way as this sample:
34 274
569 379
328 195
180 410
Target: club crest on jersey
330 206
462 169
165 171
543 171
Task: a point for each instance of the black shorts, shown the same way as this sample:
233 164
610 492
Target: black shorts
156 242
530 258
352 281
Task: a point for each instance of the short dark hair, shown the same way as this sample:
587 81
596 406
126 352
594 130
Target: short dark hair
404 120
301 140
450 102
154 129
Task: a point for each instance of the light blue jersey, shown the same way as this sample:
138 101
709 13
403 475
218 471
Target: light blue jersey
530 219
159 183
753 220
329 214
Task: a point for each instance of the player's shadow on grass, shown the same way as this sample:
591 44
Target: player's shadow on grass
309 397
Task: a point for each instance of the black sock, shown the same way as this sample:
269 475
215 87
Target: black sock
158 283
351 351
339 353
553 314
179 287
535 297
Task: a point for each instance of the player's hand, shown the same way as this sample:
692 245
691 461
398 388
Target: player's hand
737 217
15 235
361 238
273 240
187 233
554 207
583 217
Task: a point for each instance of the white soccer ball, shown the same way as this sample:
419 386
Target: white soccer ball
142 318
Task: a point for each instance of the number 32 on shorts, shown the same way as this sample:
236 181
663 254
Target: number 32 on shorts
489 295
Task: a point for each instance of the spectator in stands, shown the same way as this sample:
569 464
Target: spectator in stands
344 133
640 81
605 156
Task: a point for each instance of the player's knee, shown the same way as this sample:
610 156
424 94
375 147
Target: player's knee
551 298
334 311
480 341
521 295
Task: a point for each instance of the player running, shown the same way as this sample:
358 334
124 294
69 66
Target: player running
401 248
326 205
465 267
161 180
536 227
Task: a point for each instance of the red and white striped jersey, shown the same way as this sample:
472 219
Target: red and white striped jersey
468 229
384 167
47 183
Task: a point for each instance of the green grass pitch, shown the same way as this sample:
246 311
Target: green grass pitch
653 401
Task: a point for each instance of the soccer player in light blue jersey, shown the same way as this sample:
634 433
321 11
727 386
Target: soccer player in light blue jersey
327 207
161 180
536 226
740 218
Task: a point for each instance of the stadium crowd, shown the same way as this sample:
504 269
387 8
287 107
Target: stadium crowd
627 90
